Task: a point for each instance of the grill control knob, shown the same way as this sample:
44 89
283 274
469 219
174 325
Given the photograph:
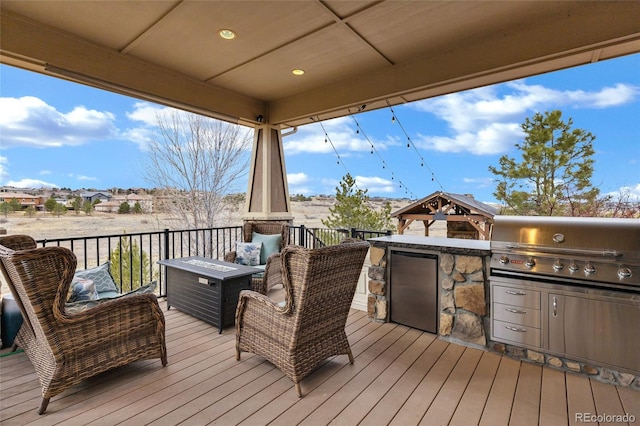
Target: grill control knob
530 263
624 273
503 260
558 265
589 268
573 267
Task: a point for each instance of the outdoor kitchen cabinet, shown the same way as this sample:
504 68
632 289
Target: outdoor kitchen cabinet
583 324
516 315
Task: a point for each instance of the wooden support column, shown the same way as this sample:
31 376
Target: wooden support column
268 192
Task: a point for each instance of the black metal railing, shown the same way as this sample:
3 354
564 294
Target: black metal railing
135 256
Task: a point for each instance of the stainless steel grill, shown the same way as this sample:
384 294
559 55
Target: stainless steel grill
581 251
569 287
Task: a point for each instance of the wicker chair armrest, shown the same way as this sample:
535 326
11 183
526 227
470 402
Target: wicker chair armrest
107 308
230 257
264 310
261 298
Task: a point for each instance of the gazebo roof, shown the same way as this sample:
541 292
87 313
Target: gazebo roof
466 203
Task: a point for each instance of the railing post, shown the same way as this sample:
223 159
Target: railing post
353 233
166 243
302 236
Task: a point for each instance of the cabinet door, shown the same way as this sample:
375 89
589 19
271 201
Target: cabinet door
602 331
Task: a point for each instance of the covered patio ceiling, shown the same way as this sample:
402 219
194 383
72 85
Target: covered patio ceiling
354 53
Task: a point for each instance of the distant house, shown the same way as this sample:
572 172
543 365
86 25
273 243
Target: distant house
145 201
466 217
96 195
107 207
25 200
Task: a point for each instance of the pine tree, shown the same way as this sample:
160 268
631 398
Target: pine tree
129 265
352 209
554 175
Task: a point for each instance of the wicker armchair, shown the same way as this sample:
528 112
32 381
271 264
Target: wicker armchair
319 287
66 348
266 228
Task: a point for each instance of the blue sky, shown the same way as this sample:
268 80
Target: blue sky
56 133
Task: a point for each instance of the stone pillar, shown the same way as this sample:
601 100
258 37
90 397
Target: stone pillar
268 192
376 300
463 304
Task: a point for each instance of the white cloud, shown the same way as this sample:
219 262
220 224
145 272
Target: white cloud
4 161
297 178
298 184
83 177
375 184
31 183
147 113
484 122
627 193
29 121
480 182
311 139
45 172
495 138
141 136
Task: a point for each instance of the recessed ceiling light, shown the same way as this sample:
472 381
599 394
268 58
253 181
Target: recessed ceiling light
227 34
297 72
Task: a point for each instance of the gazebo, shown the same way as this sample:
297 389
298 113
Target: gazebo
466 217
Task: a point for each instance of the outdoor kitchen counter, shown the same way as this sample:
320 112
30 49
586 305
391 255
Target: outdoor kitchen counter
437 244
461 284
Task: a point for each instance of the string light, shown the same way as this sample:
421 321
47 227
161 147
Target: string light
410 143
384 163
327 139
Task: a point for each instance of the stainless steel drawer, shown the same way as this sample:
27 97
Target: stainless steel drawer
516 333
516 314
516 297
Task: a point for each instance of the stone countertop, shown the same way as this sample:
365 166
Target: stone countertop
448 245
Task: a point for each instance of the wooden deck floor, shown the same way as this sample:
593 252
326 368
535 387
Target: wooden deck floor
401 376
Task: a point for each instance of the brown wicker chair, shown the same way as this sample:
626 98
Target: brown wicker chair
319 287
266 228
66 348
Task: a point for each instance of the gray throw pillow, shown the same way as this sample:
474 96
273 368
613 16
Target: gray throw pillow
101 276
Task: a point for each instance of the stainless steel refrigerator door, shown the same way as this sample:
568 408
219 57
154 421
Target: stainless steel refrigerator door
414 290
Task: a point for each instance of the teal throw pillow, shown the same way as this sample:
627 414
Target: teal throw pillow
270 245
101 276
248 253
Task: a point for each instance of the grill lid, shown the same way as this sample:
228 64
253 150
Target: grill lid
611 238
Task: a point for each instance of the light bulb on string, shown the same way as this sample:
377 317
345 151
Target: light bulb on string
393 118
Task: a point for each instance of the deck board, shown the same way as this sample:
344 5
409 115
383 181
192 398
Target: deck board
500 401
553 398
400 376
471 406
445 404
526 402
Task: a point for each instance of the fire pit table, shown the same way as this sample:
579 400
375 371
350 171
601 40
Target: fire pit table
205 288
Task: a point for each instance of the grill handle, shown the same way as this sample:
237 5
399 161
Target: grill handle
564 251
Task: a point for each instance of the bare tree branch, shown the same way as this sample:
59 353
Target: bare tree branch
194 162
